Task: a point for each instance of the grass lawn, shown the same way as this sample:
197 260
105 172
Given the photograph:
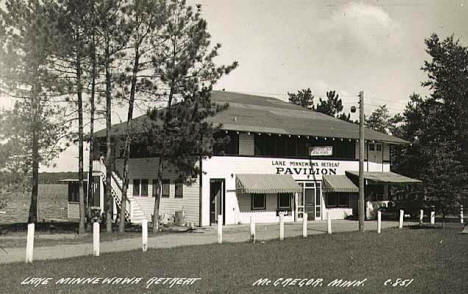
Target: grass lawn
435 259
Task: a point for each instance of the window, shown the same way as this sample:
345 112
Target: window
337 199
378 147
332 199
165 188
371 147
74 191
140 187
179 189
226 144
343 200
284 201
144 187
258 201
136 187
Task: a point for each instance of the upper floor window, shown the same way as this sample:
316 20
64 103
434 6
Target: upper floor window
294 146
226 144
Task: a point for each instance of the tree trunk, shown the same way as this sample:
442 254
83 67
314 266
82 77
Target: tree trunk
109 200
157 196
35 176
81 228
35 156
131 102
91 131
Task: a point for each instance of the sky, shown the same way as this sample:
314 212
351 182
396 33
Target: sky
348 46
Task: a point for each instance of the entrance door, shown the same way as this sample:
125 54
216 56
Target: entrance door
217 200
310 203
309 200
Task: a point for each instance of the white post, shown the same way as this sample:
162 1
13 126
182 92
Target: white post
461 214
421 216
281 227
144 235
220 229
379 222
329 228
432 217
252 230
402 213
96 238
304 225
30 243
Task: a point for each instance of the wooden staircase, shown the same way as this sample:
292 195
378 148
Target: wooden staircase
133 212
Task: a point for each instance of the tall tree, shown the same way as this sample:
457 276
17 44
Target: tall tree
302 98
436 127
72 43
26 73
145 19
187 72
448 83
113 31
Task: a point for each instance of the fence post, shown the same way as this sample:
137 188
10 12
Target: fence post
432 217
379 222
96 229
220 229
30 243
402 213
304 225
421 216
329 228
144 235
461 214
252 230
281 227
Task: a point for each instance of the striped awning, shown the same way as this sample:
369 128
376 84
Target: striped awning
385 177
266 183
338 183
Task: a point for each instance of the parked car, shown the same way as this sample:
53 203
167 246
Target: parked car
410 207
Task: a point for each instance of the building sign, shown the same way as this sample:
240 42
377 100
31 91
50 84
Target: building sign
321 151
284 167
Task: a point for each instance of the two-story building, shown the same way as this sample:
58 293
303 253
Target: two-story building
281 158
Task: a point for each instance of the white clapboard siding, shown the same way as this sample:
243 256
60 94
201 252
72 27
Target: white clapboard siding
146 168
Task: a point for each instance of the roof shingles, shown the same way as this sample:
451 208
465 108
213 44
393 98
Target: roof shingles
249 113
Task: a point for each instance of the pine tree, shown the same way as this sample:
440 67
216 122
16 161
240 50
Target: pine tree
145 19
436 127
27 75
180 133
302 98
71 40
111 27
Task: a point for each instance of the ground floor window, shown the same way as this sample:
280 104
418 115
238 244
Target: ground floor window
165 188
74 191
338 199
284 201
258 201
140 187
179 189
